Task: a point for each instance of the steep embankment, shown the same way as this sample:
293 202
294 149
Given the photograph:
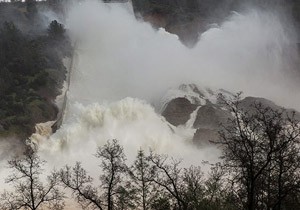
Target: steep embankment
62 99
31 69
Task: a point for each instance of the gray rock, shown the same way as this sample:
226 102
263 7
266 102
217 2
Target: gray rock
248 102
208 120
211 113
178 111
203 136
210 116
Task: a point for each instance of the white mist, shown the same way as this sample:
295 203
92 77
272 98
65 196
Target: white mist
124 67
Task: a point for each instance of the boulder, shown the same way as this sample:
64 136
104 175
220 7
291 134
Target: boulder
178 111
203 136
210 116
207 122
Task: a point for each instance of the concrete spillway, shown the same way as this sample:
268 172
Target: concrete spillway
62 109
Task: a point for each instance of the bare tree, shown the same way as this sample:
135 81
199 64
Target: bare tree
125 198
214 184
142 175
185 186
81 184
168 177
218 191
29 191
282 177
256 145
113 167
193 187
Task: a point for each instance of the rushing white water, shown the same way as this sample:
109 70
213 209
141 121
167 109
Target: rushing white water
124 67
119 57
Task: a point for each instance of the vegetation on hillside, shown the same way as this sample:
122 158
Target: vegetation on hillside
31 74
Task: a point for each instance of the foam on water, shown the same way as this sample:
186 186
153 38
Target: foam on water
118 57
124 67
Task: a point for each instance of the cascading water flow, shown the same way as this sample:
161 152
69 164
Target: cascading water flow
124 67
120 57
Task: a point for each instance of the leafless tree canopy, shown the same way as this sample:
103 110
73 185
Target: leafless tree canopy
261 153
113 166
29 191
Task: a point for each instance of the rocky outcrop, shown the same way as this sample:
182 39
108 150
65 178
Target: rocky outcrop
211 116
248 102
185 18
208 120
178 111
204 136
202 109
189 18
199 107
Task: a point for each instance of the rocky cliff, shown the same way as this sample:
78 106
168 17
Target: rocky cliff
200 109
189 18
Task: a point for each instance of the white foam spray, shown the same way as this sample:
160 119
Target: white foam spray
120 57
124 67
251 52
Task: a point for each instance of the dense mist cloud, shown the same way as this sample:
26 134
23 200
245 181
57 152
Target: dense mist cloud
253 51
117 56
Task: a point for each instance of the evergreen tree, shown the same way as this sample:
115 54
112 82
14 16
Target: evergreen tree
56 30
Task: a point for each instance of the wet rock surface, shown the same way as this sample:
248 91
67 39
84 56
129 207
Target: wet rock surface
210 116
178 111
210 113
204 136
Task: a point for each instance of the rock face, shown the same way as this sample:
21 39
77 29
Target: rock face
185 18
247 104
189 18
178 111
208 120
210 116
203 136
203 112
199 107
